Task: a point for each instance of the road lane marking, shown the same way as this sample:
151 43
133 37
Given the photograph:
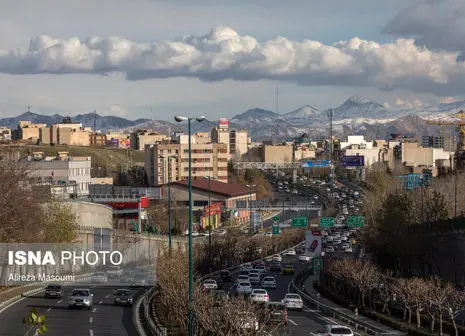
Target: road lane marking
59 301
292 322
100 302
313 334
332 321
49 309
93 310
91 332
91 319
106 297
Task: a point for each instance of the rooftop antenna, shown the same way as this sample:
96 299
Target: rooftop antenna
276 131
29 108
169 135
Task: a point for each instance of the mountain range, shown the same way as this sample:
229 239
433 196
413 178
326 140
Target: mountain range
357 115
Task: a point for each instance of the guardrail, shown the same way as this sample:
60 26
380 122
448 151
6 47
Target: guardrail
336 314
146 322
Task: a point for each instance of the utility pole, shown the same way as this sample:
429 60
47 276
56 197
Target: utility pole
331 115
95 122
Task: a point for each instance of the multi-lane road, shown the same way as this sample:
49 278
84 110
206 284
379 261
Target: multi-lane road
307 322
104 319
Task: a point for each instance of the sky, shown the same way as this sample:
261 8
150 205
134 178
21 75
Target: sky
159 58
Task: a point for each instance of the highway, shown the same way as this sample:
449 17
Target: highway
307 322
105 318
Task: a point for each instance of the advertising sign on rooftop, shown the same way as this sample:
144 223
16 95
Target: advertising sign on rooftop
353 161
316 164
223 123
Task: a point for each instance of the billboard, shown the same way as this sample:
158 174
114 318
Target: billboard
114 142
126 143
312 244
213 209
316 164
353 161
223 123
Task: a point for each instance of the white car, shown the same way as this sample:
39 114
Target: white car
269 282
254 278
260 269
259 295
242 278
329 249
277 257
246 267
99 277
290 252
348 250
268 234
244 287
304 258
293 301
335 330
343 238
221 232
210 284
345 246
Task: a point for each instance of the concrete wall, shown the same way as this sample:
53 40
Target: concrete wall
93 214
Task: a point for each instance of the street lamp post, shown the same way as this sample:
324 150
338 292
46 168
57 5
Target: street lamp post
169 157
191 266
250 186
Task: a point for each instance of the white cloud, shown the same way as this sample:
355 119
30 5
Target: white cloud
438 24
415 103
224 54
448 100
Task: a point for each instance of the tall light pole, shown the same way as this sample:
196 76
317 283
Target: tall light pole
191 265
169 157
209 210
250 186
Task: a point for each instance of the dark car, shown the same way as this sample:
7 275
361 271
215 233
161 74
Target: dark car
288 269
123 297
225 276
53 291
277 313
275 266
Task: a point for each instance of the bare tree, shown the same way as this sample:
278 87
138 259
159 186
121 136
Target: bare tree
455 304
402 295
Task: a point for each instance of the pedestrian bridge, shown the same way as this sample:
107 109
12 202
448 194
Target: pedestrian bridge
278 205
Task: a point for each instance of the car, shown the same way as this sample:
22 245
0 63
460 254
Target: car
345 246
225 275
277 257
246 267
122 297
268 234
290 252
114 272
293 301
210 284
288 269
53 291
275 266
260 269
335 330
277 313
259 296
80 298
221 232
254 278
349 250
257 263
99 277
304 258
242 278
218 279
269 282
329 249
244 287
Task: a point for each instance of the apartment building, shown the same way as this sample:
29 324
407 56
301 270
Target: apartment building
207 160
65 133
220 133
28 130
5 134
140 138
238 142
98 139
63 170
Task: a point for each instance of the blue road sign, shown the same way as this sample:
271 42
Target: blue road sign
316 164
353 161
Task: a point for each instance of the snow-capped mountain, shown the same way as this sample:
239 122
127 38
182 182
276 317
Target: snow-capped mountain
306 111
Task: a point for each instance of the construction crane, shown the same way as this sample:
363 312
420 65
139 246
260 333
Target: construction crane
459 121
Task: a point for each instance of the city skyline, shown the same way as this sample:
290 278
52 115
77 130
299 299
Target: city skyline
235 60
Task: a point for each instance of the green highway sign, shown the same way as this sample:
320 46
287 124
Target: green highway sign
356 221
275 221
299 222
317 264
327 221
275 230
